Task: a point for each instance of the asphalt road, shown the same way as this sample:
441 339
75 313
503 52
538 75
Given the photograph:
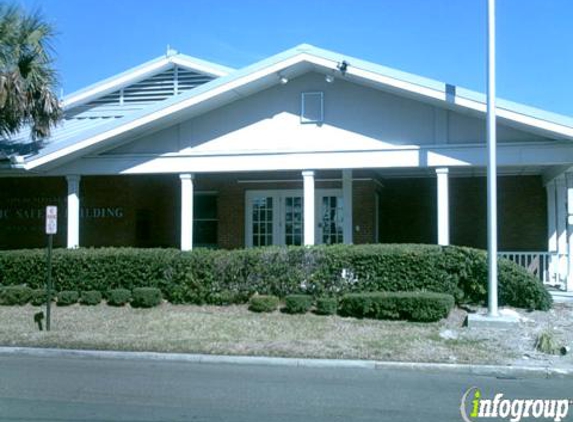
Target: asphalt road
97 390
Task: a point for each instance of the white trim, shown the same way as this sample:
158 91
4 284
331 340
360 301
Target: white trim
456 156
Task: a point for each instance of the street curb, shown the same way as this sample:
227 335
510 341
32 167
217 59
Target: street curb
500 371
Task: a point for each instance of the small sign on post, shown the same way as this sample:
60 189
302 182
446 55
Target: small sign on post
51 230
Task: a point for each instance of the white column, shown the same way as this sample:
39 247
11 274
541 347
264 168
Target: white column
551 277
561 216
347 204
551 220
73 211
443 207
308 186
186 211
569 181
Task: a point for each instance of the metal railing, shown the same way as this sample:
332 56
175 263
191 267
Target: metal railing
549 267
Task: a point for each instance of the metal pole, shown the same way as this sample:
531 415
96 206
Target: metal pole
49 282
491 164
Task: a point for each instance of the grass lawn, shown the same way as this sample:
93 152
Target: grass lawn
237 331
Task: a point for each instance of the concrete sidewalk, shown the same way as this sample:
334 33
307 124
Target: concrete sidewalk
501 371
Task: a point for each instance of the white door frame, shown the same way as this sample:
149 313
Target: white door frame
278 196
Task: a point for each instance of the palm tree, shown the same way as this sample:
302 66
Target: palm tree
27 78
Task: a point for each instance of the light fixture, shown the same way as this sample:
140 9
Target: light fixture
342 66
283 79
329 79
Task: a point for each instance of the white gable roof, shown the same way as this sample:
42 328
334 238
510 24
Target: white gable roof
268 72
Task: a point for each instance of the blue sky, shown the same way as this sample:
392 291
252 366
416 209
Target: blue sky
439 39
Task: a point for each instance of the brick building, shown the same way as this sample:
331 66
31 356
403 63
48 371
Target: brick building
179 152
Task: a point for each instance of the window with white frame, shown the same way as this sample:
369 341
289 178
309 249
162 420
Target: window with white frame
312 107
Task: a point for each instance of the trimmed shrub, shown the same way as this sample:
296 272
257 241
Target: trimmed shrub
205 276
118 297
263 303
297 304
411 306
15 295
326 305
146 297
67 298
39 297
90 298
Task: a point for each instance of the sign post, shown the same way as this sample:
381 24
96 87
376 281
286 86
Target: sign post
51 229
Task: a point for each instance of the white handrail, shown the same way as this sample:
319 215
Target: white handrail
549 267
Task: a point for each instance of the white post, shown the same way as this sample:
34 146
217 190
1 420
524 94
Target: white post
347 204
569 180
308 186
443 207
491 164
186 211
561 216
73 211
551 277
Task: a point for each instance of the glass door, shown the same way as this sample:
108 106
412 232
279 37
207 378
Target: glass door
277 217
330 219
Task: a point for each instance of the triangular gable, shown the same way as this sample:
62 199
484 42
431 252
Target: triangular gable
292 63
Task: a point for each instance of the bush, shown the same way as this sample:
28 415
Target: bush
90 297
298 304
67 298
326 305
118 297
15 295
206 276
39 297
411 306
263 303
146 297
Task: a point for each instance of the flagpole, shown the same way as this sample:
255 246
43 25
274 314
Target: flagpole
491 164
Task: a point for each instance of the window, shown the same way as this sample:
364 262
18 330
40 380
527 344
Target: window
205 221
312 107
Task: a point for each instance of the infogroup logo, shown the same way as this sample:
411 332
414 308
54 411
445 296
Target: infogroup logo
474 407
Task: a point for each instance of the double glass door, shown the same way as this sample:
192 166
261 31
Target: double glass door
277 217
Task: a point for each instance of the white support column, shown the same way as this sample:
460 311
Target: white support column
551 220
308 186
561 216
551 276
73 211
443 206
569 181
347 229
186 211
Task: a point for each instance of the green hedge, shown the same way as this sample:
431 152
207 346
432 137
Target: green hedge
326 306
219 277
67 298
90 297
15 295
146 297
298 304
118 297
411 306
263 303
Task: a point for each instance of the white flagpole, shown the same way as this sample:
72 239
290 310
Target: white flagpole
491 164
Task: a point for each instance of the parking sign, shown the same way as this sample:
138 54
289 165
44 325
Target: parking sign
51 219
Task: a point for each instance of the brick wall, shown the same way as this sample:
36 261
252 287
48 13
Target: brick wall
144 210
